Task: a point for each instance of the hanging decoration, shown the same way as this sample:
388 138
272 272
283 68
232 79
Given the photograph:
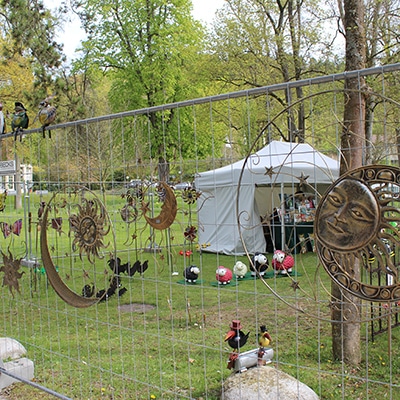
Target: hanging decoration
168 210
14 228
89 229
12 275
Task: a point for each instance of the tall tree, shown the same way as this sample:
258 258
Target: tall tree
31 28
144 46
345 306
275 41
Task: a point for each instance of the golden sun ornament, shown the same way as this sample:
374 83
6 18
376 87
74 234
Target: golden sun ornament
357 223
89 228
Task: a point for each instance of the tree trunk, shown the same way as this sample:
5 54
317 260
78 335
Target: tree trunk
345 307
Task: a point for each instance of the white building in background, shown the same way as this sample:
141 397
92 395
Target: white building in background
9 178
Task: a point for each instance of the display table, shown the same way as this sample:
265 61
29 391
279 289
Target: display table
292 233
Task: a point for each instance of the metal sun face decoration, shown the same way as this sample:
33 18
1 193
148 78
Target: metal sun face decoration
356 223
89 226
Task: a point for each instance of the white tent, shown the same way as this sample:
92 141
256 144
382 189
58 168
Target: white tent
234 193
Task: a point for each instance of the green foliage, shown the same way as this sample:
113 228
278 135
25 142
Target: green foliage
145 47
31 28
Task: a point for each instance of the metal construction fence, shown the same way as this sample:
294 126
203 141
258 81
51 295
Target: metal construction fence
123 237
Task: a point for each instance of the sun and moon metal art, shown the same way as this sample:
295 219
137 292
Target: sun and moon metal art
356 232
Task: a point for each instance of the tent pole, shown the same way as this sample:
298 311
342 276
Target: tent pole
283 211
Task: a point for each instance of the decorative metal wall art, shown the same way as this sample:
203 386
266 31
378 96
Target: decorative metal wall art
88 228
356 224
168 210
11 272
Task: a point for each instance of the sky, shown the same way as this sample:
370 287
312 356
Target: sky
203 10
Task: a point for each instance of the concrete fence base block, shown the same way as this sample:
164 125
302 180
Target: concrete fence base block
12 351
22 367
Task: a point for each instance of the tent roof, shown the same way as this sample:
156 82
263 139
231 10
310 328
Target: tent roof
278 162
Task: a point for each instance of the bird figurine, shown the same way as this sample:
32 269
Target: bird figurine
20 120
47 114
264 338
2 120
235 337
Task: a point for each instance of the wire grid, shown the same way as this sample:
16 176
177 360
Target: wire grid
164 337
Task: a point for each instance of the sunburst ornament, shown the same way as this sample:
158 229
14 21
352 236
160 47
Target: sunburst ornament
356 224
11 274
190 195
89 227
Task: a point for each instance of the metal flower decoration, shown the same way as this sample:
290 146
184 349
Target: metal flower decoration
89 227
129 213
190 233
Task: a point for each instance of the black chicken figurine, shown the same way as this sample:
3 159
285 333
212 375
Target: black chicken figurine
236 337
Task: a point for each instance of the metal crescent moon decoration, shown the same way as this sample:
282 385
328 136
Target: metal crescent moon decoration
89 227
168 210
56 282
357 223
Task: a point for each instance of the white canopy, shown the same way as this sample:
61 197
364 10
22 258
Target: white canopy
279 163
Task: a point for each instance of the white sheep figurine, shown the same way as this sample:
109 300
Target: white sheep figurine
240 270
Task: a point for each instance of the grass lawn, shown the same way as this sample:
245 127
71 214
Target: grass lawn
164 338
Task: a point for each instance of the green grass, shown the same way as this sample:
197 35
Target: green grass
173 350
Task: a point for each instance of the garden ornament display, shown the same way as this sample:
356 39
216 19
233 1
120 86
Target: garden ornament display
282 263
223 275
259 264
240 361
240 269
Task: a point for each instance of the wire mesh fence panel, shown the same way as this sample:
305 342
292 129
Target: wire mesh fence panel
134 244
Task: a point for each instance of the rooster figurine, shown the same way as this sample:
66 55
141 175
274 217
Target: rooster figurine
20 120
236 339
47 114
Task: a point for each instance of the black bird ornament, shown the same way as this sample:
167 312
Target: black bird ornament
235 337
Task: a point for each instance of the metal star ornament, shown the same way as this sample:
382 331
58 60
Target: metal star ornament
269 171
303 178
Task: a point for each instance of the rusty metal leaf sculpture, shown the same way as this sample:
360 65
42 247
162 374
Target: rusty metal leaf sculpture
11 274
